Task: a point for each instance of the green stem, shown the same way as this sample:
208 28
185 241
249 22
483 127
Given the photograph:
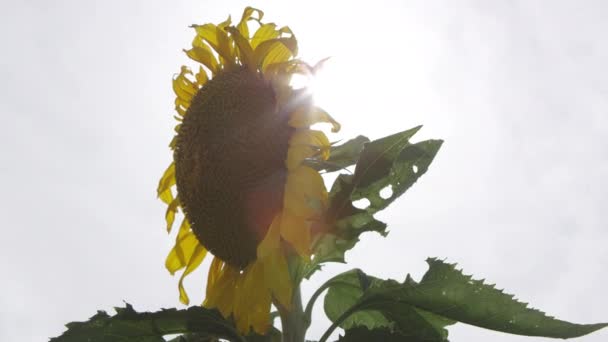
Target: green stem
313 299
293 320
337 323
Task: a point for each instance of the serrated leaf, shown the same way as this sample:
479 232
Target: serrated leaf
447 292
346 291
129 325
390 162
445 295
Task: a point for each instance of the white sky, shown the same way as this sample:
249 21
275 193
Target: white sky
517 195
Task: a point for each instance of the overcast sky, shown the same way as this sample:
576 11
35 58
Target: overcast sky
518 194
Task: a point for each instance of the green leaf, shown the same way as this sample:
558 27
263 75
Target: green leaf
445 295
344 292
447 292
363 334
129 325
401 319
341 156
391 162
273 335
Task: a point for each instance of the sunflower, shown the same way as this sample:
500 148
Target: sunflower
239 171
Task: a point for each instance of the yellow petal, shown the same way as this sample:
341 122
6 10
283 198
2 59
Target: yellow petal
253 298
223 293
204 56
296 231
215 271
201 77
274 51
170 214
248 15
183 87
276 272
181 253
264 32
305 117
306 143
165 183
305 193
244 49
218 39
195 260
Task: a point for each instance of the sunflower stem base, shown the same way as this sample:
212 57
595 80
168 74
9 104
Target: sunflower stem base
294 321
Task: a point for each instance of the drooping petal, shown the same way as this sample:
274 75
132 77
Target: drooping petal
245 51
201 77
170 214
306 143
264 32
183 87
222 293
219 40
276 272
305 193
305 117
296 231
181 253
165 183
202 53
195 260
248 14
253 300
274 51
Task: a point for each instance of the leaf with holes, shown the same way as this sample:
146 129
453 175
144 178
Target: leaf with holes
130 325
390 162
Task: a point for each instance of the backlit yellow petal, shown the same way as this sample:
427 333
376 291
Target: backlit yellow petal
305 193
264 32
223 293
304 117
195 260
244 49
203 56
276 273
165 183
183 87
306 143
253 299
274 51
170 214
296 231
201 77
181 253
218 39
248 14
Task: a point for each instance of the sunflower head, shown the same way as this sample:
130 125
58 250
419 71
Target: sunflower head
243 135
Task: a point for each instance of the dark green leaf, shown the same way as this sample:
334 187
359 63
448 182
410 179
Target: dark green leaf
447 292
442 297
392 163
362 334
346 291
129 325
341 156
273 335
